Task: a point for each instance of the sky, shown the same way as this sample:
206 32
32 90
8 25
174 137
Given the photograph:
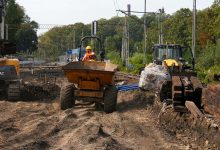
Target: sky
64 12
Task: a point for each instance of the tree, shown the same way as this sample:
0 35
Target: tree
26 38
14 17
216 2
22 30
179 27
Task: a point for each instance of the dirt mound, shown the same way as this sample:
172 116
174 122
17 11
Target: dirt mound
39 91
196 133
34 125
211 99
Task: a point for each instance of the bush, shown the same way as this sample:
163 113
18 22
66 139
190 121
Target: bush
137 62
215 70
115 58
208 63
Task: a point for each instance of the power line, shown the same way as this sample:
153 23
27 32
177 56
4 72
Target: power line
117 4
40 26
125 12
51 26
115 7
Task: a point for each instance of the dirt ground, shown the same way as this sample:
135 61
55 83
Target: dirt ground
38 123
211 99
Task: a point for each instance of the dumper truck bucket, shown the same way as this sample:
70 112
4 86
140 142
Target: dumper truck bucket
89 70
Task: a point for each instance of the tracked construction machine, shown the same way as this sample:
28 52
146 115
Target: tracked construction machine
184 86
9 71
90 81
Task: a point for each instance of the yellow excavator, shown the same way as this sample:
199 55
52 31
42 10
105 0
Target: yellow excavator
9 68
183 85
9 71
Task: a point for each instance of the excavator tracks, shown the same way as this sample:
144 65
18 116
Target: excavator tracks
185 88
14 91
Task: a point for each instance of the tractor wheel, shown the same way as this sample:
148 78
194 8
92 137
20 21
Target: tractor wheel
110 99
13 91
67 97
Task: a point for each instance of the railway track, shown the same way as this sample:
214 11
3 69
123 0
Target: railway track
126 77
50 71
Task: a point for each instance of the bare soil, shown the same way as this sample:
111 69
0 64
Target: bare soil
37 122
211 99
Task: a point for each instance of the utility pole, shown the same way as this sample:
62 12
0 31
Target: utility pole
128 37
125 41
74 39
145 32
160 25
194 32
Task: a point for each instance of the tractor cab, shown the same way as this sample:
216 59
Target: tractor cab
162 52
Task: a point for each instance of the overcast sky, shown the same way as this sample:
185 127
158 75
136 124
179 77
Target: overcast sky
71 11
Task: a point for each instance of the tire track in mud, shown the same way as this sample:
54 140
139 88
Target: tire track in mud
136 127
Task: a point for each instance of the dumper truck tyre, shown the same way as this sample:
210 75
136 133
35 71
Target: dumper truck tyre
67 99
13 91
110 99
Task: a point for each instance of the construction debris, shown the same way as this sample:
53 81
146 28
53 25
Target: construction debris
39 91
153 76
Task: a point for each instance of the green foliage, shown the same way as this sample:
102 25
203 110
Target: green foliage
60 39
177 28
205 59
112 43
22 30
210 56
115 58
207 76
14 13
14 17
138 61
26 38
208 62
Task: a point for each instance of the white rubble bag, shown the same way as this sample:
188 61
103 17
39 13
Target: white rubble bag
153 76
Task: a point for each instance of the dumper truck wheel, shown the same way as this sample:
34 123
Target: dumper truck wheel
13 91
110 99
67 97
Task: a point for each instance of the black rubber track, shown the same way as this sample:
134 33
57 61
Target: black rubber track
13 91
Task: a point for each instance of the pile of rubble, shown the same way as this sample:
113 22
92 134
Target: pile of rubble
39 91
